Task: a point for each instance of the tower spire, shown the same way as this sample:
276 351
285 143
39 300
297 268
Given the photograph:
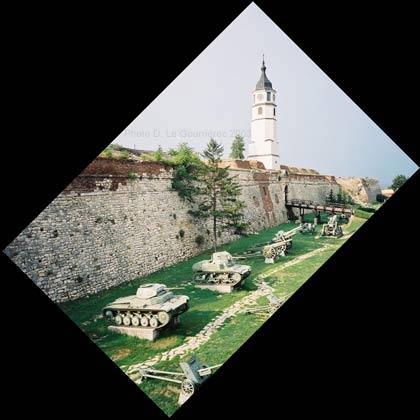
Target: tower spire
263 83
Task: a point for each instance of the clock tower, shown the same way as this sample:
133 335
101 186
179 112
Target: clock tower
264 146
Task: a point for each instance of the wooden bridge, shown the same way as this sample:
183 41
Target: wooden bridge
332 208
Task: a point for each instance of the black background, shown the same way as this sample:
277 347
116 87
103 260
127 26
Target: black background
343 345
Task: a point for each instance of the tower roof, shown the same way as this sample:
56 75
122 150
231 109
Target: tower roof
263 83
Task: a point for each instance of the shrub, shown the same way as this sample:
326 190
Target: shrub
181 233
199 240
107 153
132 176
367 209
124 154
380 198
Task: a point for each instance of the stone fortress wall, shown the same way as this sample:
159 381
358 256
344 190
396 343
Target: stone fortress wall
361 190
108 227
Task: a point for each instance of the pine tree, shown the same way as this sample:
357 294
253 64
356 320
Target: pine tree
219 193
330 197
238 148
339 199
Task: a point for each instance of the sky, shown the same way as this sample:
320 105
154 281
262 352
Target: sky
318 126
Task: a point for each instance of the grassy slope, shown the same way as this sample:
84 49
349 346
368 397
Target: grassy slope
204 306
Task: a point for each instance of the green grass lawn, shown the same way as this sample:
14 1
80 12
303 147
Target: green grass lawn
204 306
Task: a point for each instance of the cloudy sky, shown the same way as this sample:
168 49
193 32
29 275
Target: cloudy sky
318 126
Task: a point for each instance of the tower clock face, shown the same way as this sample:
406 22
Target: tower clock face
260 96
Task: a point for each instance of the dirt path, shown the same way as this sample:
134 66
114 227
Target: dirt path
193 343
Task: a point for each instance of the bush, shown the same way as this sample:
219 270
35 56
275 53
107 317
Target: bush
380 198
181 233
132 176
199 240
124 154
367 209
107 153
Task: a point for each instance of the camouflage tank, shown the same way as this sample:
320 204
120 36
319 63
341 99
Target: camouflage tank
152 306
221 269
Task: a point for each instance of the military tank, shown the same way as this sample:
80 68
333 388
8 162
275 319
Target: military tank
152 306
221 269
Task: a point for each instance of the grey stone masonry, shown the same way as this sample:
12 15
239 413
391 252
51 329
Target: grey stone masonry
120 220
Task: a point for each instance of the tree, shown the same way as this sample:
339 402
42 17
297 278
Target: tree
218 194
187 163
238 148
339 199
398 182
330 197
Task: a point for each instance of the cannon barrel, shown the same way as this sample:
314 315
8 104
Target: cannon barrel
292 232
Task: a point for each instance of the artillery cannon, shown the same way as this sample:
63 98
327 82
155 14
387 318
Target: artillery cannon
332 228
307 227
279 245
193 374
221 269
274 303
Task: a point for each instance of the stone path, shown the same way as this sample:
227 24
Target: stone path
193 343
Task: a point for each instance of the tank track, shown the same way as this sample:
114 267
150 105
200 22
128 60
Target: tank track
231 279
135 318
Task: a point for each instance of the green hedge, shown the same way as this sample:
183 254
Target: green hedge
367 209
362 214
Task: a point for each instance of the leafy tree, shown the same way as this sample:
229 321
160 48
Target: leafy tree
238 148
218 193
187 164
398 182
184 155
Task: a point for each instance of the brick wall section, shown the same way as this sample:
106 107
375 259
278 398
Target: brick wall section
106 229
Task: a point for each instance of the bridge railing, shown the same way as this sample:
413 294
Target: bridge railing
312 204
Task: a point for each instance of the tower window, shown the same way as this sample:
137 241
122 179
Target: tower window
274 96
268 96
265 191
274 111
260 110
254 99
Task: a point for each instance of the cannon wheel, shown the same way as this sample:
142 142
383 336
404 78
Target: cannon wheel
269 252
187 387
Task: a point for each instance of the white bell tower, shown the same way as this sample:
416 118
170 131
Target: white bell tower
264 146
